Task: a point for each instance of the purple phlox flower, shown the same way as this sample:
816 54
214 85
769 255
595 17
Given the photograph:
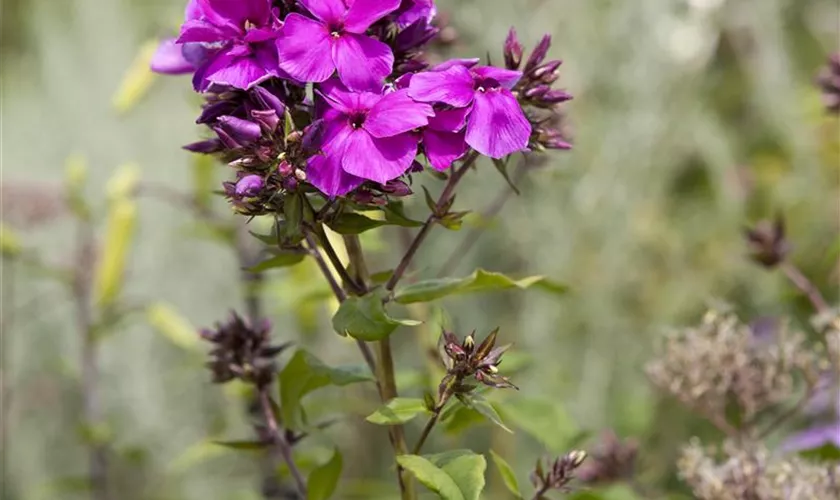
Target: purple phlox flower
240 117
241 33
411 11
169 59
443 138
310 50
496 125
365 136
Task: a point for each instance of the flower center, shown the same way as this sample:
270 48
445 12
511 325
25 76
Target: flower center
357 120
486 84
249 25
336 29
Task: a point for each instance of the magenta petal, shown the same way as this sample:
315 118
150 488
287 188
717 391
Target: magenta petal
497 126
362 62
304 49
469 63
169 59
325 10
242 73
813 438
363 13
443 148
449 120
239 11
396 113
506 78
200 31
378 160
326 174
453 86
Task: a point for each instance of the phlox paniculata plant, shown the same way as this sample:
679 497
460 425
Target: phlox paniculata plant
325 111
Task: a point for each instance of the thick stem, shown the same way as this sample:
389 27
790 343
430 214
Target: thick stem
386 374
540 492
97 452
279 441
804 284
444 198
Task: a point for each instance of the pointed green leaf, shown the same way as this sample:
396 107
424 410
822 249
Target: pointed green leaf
323 480
398 411
281 259
242 445
547 421
395 214
288 123
431 477
465 468
501 166
352 223
461 418
508 476
168 322
479 281
364 318
826 453
305 373
478 403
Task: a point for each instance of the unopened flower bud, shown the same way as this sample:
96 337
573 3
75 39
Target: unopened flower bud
576 458
556 96
537 92
545 71
294 137
539 53
284 169
513 50
249 186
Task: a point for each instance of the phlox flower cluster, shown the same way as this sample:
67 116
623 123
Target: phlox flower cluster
337 96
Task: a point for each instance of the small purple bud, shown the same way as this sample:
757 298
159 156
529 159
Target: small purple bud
539 53
290 183
556 96
206 147
268 119
284 169
545 71
397 188
267 100
537 92
313 136
513 50
249 186
241 131
416 167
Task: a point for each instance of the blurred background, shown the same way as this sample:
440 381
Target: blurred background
691 119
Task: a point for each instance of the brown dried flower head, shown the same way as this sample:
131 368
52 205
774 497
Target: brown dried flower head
721 362
748 471
612 460
242 351
556 475
767 243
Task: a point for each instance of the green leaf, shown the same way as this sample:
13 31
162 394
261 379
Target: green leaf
281 259
381 277
398 411
465 468
828 452
431 476
305 373
508 476
395 214
501 166
353 223
364 318
479 281
177 329
242 445
478 403
323 480
293 216
461 418
546 421
288 123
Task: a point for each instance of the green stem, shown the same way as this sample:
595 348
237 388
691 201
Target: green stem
426 431
385 374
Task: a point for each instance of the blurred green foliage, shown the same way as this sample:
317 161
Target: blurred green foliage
691 118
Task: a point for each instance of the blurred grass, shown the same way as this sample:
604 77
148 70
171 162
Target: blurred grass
691 118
